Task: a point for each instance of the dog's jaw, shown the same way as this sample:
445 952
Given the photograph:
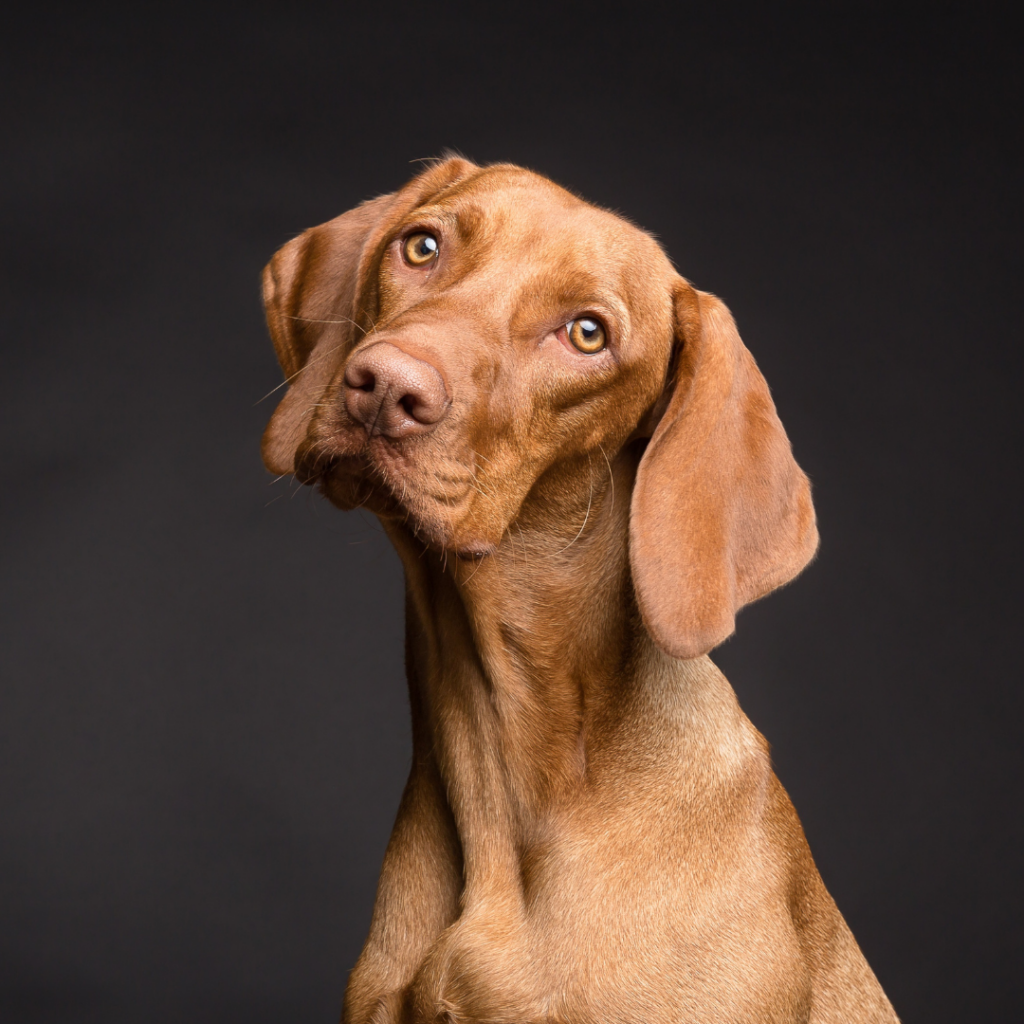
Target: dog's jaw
355 470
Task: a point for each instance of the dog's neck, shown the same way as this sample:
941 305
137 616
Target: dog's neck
541 630
511 661
516 663
532 680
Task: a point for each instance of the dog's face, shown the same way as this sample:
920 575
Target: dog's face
463 353
505 325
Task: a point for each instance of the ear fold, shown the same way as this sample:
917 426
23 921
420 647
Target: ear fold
311 293
721 512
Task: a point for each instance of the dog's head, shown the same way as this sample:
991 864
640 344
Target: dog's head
458 350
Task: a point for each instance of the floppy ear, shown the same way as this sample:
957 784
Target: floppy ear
721 512
311 293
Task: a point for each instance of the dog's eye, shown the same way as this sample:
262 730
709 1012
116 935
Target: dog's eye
420 249
586 334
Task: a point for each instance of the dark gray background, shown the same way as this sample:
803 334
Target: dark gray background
203 728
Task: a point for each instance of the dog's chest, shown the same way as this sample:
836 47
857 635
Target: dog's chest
612 925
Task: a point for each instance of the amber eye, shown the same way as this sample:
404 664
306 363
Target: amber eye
586 334
420 249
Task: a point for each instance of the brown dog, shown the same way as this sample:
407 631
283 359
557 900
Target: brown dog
583 472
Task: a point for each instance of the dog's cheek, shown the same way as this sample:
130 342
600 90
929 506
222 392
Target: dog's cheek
385 295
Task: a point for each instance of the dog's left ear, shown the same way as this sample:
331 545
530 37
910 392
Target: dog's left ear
721 512
311 292
309 297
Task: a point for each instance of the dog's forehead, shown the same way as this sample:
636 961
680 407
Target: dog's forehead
536 243
526 214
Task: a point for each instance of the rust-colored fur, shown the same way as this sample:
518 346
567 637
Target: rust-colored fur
591 831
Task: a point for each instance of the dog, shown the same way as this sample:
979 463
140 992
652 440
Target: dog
583 472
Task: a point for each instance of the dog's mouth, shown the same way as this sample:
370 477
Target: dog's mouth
436 507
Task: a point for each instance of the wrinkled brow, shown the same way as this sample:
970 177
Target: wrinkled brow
464 222
569 291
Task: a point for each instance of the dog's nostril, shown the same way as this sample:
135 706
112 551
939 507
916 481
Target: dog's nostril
390 392
361 378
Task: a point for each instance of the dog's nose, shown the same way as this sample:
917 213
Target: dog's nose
393 393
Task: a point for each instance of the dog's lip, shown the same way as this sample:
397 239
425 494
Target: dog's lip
332 451
391 499
311 471
387 467
395 491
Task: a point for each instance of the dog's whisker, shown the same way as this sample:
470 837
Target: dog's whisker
611 473
476 483
479 564
312 361
316 320
369 491
522 541
511 544
479 490
373 323
590 502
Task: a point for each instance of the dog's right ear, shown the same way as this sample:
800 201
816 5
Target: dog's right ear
721 513
311 292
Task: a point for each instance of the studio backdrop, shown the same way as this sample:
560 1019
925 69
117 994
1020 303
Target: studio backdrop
203 713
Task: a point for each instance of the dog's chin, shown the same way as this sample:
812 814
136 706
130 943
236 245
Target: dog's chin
438 525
